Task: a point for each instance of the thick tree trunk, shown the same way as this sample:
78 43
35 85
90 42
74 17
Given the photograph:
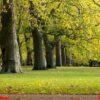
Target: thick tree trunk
18 39
9 44
39 58
58 53
29 51
49 52
3 57
50 57
63 55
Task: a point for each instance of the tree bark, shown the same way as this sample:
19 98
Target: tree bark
39 58
29 58
49 46
20 53
71 61
67 60
29 51
63 55
8 39
58 53
50 57
18 39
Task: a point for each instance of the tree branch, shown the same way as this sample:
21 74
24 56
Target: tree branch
96 3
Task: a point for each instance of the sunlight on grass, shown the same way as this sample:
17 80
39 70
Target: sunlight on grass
65 80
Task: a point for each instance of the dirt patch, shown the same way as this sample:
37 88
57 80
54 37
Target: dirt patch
51 97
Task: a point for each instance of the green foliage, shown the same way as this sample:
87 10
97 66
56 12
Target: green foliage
75 21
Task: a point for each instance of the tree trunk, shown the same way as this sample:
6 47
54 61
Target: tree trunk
63 55
50 57
9 44
67 60
3 57
29 58
71 61
20 53
29 51
49 52
39 58
58 53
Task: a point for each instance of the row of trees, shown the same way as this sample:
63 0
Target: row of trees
49 33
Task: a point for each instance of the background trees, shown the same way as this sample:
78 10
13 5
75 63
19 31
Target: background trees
51 33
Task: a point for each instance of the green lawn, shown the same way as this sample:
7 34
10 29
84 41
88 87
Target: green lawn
65 80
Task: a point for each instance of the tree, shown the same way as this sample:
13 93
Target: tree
63 50
39 58
8 39
49 46
58 53
29 49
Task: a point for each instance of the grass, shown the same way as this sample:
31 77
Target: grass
65 80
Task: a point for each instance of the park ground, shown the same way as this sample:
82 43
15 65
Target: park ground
63 80
50 97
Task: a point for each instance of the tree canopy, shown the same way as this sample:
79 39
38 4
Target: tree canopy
71 27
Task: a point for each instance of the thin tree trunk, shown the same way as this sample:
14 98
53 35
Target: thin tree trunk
29 51
9 44
39 58
58 53
29 58
63 56
67 60
71 61
20 53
